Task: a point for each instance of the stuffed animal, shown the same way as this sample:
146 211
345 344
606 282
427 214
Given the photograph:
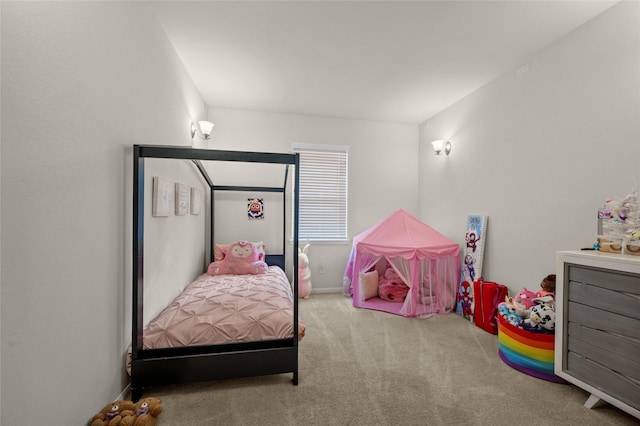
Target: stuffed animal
393 291
548 286
542 317
112 414
525 298
304 273
508 311
391 287
146 413
516 308
242 258
391 275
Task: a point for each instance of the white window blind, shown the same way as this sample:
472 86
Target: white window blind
323 193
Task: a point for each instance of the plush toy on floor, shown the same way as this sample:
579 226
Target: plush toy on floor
242 258
147 411
112 414
304 273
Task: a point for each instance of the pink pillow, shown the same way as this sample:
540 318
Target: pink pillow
369 284
241 259
220 250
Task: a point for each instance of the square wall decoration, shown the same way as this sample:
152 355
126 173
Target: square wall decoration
162 199
183 198
255 208
196 200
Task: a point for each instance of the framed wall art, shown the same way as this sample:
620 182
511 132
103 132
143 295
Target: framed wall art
183 198
162 199
196 200
255 208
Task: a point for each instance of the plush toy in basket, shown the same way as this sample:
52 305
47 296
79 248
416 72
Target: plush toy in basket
242 258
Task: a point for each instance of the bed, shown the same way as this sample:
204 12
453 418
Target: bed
221 309
182 345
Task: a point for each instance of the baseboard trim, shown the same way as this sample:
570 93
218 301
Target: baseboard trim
326 290
123 395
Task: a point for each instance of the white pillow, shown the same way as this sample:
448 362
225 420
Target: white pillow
369 284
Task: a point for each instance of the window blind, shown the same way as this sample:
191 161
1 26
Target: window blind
323 193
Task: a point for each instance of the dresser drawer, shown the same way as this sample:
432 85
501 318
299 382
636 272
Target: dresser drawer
611 382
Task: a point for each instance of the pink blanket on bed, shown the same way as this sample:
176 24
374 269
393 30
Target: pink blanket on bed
225 309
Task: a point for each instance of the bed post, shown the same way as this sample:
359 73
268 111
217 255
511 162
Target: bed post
296 213
138 259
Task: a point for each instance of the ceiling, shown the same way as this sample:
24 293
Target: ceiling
382 60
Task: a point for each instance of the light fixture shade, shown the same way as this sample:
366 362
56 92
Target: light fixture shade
206 127
441 144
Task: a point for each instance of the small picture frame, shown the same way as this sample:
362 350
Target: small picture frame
196 200
183 197
162 199
255 208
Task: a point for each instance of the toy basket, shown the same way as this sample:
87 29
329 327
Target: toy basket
527 352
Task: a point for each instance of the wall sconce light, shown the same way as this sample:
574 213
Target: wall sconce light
205 129
441 145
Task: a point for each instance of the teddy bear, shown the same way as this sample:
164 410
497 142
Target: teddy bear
304 273
242 258
548 286
112 414
146 413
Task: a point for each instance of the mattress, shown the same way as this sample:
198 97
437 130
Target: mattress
226 309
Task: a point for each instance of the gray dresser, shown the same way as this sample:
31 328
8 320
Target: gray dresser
597 345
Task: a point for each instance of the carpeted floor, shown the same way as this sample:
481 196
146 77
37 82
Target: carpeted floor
362 367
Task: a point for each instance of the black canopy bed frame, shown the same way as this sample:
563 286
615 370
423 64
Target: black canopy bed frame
155 367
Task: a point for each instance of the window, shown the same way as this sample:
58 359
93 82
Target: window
322 192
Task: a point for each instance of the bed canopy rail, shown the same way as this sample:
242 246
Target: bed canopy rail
151 367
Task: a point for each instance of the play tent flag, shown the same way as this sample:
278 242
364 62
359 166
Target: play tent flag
427 261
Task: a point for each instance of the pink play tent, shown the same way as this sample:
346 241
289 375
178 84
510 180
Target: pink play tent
425 260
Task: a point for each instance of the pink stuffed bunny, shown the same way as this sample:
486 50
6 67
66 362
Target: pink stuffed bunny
241 259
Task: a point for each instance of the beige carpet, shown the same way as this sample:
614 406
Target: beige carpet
362 367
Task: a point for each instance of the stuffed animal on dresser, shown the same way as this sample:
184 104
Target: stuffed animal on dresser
304 273
242 258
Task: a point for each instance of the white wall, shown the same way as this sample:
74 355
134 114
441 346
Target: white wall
383 168
174 245
81 83
539 152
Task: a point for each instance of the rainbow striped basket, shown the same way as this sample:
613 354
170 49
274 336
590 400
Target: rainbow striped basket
527 352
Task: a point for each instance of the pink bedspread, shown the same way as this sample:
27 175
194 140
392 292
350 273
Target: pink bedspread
224 309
